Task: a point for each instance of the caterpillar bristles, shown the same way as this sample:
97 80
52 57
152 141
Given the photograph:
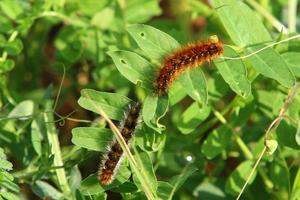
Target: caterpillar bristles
190 56
113 157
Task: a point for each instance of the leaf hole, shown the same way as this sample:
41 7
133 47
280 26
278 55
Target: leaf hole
123 62
142 34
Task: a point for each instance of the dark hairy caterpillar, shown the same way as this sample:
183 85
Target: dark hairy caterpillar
181 59
113 157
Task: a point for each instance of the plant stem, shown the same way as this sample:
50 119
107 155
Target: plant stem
252 172
272 127
292 15
243 147
206 126
65 18
263 12
12 37
55 149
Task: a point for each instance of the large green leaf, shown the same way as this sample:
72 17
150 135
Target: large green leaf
92 138
234 73
11 8
194 83
293 60
23 110
241 23
192 117
144 159
45 190
113 104
135 68
270 64
209 191
216 142
164 189
177 181
37 134
152 41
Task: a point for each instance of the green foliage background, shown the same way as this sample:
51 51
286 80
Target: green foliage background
64 61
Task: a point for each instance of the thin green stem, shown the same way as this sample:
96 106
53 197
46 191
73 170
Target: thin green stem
263 12
55 150
12 37
252 173
60 87
206 126
262 49
292 15
243 147
65 18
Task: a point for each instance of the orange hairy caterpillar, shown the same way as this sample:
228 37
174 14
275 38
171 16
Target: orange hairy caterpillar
113 157
181 59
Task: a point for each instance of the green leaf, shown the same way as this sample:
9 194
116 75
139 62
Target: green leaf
152 41
234 73
75 178
148 171
241 23
270 102
6 165
11 8
37 129
96 139
139 11
6 66
154 108
2 154
90 7
14 48
192 117
164 189
90 185
71 51
286 135
4 175
6 181
177 181
216 142
135 68
279 174
209 191
176 93
107 14
270 64
23 110
149 140
194 83
127 187
201 8
113 104
293 60
238 177
9 196
44 189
